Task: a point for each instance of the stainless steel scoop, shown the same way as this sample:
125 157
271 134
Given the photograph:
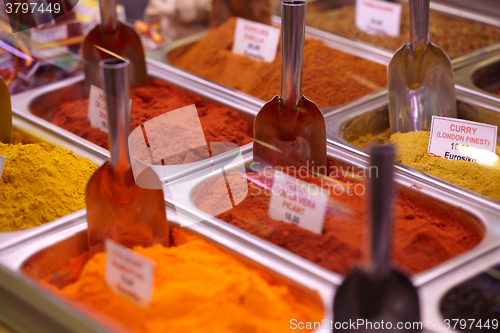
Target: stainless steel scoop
420 78
112 38
290 130
378 293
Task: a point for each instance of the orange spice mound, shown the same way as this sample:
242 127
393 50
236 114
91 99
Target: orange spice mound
219 123
329 77
197 288
423 237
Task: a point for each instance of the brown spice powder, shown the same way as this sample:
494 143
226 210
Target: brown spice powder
330 77
454 35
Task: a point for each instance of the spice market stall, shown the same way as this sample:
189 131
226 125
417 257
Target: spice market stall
215 170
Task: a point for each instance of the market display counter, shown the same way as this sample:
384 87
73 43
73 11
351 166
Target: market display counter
446 231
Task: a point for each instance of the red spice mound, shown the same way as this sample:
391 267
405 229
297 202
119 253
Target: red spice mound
423 236
219 123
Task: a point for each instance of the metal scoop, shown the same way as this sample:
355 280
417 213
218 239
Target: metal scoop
5 113
112 38
116 207
290 130
378 292
420 78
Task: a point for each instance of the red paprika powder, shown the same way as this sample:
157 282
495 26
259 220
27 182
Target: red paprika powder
219 123
422 238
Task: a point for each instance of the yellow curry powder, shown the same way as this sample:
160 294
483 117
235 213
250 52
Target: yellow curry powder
23 138
412 152
40 184
197 288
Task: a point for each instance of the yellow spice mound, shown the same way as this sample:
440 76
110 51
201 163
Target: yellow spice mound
197 288
40 184
412 152
22 137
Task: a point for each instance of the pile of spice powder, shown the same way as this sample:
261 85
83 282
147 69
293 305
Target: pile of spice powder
454 35
412 152
475 301
40 184
219 123
22 137
423 237
329 78
197 288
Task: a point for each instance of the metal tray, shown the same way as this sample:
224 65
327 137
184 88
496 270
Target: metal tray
161 56
358 119
8 239
45 101
469 211
23 268
457 61
481 79
432 293
487 7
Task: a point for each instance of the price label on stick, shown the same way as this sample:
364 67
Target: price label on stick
2 164
129 274
377 17
295 201
463 140
255 40
97 112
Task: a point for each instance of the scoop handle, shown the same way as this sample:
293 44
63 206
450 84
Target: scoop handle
293 23
109 17
115 75
381 207
419 22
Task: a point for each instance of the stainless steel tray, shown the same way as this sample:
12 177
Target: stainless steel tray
359 119
22 268
481 79
457 61
468 210
8 239
365 51
49 97
431 293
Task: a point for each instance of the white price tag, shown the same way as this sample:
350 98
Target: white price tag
97 112
49 53
129 274
2 164
255 40
378 17
295 201
46 36
457 139
52 34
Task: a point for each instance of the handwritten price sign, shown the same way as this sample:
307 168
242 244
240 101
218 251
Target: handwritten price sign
26 14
